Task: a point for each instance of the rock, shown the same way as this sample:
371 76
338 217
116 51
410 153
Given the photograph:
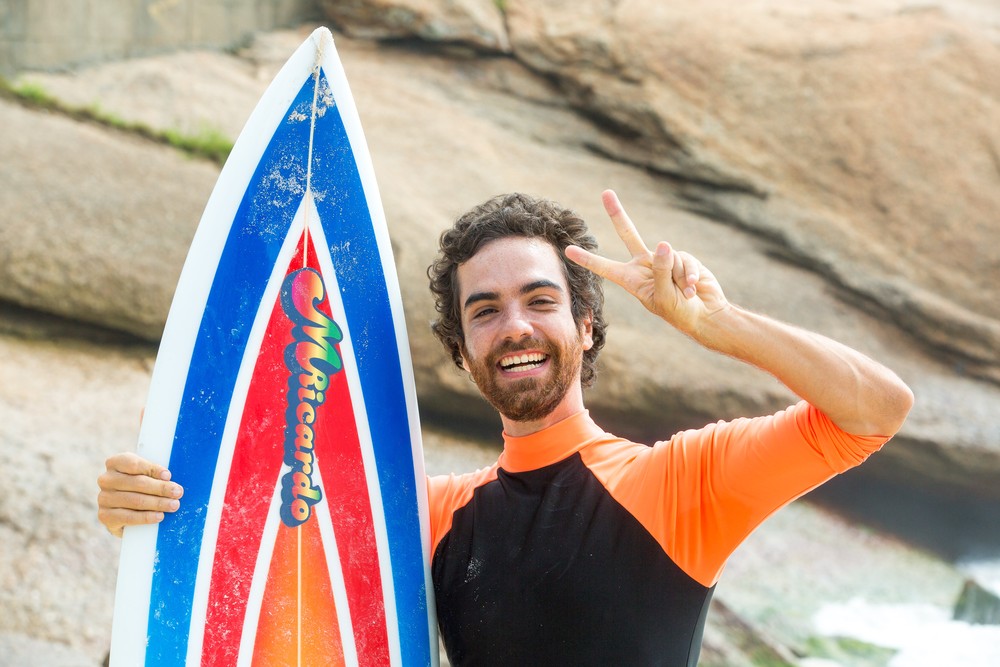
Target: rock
837 651
97 221
805 558
24 651
977 605
730 641
65 406
831 131
476 23
510 130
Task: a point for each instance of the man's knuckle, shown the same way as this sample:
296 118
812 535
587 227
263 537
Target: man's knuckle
143 502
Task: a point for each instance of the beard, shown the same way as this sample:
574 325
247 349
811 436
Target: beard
532 398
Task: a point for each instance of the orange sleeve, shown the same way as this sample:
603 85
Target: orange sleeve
701 493
447 493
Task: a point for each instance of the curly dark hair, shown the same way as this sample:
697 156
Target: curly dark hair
516 215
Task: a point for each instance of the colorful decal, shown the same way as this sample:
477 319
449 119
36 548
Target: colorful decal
310 360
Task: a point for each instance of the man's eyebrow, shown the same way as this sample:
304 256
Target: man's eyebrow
479 296
541 284
525 289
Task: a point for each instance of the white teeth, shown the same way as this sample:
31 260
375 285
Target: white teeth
524 362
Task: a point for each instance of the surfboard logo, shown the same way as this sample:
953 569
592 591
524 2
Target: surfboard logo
311 359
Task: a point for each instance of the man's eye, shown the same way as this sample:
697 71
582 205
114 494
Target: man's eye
484 311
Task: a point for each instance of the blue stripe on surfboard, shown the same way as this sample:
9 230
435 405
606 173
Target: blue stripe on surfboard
340 200
262 221
260 226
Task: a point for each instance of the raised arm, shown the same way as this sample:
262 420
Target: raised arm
861 396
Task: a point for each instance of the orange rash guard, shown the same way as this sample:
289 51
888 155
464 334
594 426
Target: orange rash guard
578 547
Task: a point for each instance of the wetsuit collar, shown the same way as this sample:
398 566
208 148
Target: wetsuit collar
550 445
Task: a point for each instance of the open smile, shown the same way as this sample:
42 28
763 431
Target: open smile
522 363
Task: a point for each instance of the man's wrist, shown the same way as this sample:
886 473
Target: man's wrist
726 330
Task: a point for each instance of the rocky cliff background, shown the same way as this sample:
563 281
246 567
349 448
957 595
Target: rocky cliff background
837 165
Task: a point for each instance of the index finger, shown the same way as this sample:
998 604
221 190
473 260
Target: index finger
133 464
623 224
602 266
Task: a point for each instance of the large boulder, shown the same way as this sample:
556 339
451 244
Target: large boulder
977 604
810 127
96 222
862 138
475 23
447 131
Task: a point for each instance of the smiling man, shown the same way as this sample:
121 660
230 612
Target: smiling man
578 547
520 344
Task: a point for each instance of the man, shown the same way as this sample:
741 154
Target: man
578 547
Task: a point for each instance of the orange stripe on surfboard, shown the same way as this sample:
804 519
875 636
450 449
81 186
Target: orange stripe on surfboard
291 625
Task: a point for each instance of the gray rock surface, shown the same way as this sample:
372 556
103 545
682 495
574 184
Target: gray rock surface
97 223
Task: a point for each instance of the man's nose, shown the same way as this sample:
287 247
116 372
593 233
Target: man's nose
517 325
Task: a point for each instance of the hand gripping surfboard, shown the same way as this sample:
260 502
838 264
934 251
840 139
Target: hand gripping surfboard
283 401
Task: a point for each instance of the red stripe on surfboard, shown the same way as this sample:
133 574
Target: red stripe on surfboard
256 464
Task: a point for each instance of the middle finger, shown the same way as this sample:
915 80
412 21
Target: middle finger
624 226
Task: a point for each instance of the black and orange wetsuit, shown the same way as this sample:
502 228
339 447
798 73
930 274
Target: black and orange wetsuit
580 548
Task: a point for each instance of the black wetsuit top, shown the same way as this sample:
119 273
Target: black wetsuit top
579 548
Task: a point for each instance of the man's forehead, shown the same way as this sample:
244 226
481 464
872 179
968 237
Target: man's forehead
512 263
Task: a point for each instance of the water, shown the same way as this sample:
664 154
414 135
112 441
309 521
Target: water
923 634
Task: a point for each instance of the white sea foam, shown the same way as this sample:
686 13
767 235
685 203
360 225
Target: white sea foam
924 635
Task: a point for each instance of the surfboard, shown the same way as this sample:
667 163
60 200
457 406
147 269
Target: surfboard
282 400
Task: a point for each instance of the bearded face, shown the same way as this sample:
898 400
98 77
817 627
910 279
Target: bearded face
532 397
522 346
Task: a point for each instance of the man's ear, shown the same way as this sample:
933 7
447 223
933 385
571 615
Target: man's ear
587 331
